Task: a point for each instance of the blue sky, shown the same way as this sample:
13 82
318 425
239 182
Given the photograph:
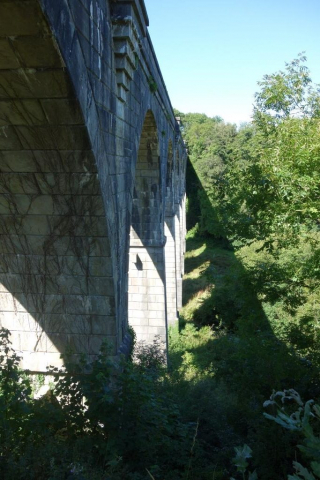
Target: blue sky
212 53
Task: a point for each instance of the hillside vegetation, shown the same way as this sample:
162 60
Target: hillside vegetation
250 322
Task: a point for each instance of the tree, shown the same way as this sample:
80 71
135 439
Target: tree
277 186
286 94
210 144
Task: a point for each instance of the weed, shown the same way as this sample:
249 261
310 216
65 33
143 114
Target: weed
153 87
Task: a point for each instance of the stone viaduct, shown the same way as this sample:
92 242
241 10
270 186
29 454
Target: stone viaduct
92 180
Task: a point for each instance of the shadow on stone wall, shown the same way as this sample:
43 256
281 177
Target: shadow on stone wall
56 285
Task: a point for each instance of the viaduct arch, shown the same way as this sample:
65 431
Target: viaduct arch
92 180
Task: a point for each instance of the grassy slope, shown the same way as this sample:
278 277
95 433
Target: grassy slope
227 359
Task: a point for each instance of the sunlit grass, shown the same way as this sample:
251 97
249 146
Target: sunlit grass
197 272
196 300
231 350
205 264
196 252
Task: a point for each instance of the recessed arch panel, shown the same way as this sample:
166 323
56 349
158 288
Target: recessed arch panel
147 215
146 276
169 180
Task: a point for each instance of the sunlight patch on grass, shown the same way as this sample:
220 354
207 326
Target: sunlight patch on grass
195 302
184 347
196 252
197 272
191 348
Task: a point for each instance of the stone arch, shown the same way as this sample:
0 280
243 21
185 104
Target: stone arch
56 285
147 215
146 277
169 167
169 179
177 175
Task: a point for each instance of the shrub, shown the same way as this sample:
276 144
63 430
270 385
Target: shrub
117 422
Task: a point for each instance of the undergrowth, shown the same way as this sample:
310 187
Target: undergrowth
232 351
238 340
97 423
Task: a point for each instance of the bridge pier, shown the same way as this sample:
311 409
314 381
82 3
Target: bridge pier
178 254
147 302
170 259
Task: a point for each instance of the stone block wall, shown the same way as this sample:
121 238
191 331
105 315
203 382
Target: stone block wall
147 305
170 266
56 282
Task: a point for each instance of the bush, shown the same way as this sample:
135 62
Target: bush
106 422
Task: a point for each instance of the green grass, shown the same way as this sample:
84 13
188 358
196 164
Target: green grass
228 356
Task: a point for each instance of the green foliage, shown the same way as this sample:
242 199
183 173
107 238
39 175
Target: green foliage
152 84
280 187
276 186
260 189
233 348
106 422
243 454
286 94
193 185
262 182
250 319
306 420
209 142
14 390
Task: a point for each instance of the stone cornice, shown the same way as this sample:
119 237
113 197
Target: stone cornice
125 8
130 22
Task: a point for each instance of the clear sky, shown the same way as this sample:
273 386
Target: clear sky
212 53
